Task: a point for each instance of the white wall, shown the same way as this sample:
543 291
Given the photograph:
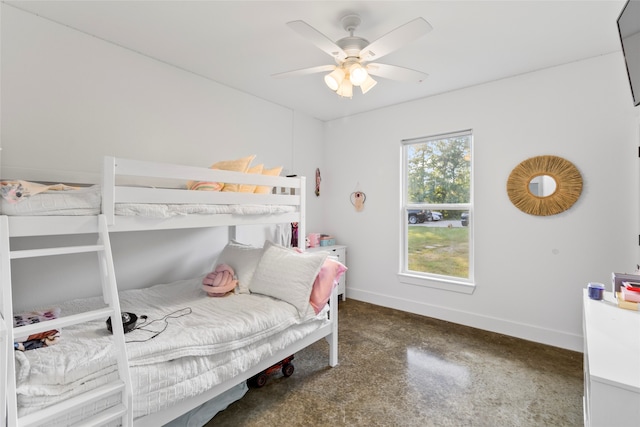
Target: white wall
529 271
68 99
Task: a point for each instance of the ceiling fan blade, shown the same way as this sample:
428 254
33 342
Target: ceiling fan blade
393 72
396 39
318 39
304 71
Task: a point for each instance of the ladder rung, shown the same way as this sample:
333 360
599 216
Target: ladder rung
104 417
61 322
65 250
51 412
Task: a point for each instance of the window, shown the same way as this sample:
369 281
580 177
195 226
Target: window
437 216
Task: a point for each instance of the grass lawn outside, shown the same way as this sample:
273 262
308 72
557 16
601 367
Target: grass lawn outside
439 250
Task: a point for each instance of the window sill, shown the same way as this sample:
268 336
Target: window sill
435 283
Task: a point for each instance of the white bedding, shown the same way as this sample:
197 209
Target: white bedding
84 201
156 210
87 201
218 339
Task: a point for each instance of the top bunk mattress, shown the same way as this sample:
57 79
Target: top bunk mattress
81 201
87 201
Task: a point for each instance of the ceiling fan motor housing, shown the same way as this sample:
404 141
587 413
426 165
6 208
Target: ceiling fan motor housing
352 45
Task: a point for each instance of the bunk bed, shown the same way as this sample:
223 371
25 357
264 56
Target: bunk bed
137 380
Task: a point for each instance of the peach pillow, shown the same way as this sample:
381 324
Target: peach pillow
248 188
238 165
204 186
265 189
325 281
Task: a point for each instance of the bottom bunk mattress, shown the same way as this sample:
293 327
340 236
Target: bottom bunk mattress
183 344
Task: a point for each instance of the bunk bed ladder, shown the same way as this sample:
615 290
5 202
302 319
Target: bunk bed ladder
121 386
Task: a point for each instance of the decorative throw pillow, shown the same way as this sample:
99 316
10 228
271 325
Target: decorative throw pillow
265 189
238 165
204 186
327 279
243 259
249 188
287 275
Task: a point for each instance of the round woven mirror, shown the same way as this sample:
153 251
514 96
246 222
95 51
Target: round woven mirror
544 185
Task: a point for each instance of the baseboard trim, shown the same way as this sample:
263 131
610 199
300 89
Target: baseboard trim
519 330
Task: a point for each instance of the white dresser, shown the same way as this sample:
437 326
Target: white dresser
340 252
611 364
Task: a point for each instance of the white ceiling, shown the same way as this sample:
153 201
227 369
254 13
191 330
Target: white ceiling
242 43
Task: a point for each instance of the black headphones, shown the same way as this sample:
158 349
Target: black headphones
128 322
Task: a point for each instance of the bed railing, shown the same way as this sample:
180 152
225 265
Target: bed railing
133 181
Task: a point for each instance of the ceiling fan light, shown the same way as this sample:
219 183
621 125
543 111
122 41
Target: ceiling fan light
334 79
346 89
367 84
357 74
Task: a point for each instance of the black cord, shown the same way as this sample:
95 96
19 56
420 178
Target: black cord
165 319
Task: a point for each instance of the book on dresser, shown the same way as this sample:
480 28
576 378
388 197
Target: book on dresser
629 305
630 291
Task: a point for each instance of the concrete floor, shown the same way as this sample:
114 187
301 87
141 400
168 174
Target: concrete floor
400 369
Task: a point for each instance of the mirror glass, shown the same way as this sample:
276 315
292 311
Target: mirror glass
542 185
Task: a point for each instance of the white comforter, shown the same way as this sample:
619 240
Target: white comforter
87 201
206 341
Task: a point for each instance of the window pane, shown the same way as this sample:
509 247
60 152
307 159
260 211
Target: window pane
439 170
437 200
439 245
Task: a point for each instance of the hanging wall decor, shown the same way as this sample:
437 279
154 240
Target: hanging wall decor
318 179
357 199
544 185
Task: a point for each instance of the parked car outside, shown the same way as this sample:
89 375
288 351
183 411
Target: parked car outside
435 216
464 219
418 216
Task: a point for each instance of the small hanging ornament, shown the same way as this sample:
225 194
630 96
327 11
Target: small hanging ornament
318 179
357 199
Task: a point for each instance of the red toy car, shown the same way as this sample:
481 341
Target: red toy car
260 379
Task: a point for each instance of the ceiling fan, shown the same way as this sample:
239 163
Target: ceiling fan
353 54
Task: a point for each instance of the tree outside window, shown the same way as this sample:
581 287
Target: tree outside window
437 206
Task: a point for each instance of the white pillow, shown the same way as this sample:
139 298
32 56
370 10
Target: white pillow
287 275
243 259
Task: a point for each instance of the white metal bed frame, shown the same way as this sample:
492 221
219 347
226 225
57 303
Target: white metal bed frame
288 191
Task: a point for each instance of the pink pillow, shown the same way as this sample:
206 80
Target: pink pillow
326 280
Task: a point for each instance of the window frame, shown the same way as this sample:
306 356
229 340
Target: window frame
432 280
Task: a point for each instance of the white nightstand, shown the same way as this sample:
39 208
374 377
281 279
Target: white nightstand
340 252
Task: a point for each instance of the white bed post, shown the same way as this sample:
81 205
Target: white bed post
109 189
303 214
332 338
